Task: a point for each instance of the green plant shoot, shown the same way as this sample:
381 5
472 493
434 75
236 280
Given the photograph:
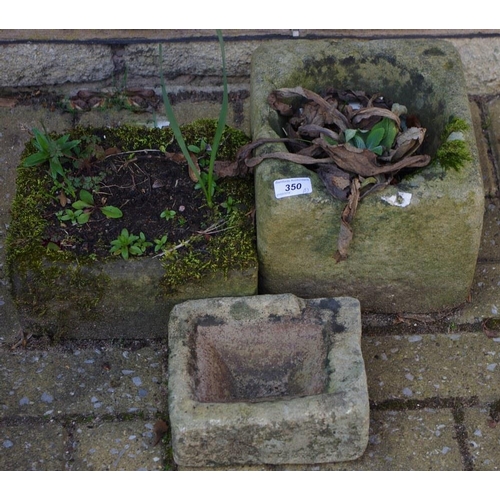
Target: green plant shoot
206 182
160 243
129 244
54 152
87 201
379 139
229 204
168 214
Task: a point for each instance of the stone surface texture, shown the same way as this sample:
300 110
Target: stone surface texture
130 299
267 379
32 65
420 258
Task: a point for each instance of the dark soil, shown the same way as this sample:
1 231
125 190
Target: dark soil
142 186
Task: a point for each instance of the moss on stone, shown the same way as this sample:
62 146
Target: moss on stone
233 248
454 153
57 286
454 125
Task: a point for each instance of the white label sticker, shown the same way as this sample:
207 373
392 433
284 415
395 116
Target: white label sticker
292 187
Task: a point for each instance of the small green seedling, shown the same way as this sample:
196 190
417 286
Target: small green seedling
74 216
203 150
51 151
142 244
229 204
129 244
87 182
160 244
168 214
86 201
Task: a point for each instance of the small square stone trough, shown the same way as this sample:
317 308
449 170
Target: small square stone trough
268 379
416 257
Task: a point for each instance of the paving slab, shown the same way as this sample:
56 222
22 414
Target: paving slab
117 446
411 440
417 367
483 439
484 296
32 445
106 381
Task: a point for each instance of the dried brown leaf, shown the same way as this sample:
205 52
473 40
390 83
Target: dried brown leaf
408 142
87 94
491 333
313 130
364 162
280 106
7 102
365 114
160 428
313 114
111 151
177 157
192 175
336 181
294 158
78 104
229 169
332 114
346 232
63 200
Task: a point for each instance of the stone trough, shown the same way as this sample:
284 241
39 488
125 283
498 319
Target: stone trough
416 258
267 379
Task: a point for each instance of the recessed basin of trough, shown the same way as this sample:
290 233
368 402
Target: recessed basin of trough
267 379
415 244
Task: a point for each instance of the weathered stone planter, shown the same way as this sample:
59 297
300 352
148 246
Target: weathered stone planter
419 258
267 379
61 294
116 299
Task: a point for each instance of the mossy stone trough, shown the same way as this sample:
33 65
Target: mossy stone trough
63 295
418 258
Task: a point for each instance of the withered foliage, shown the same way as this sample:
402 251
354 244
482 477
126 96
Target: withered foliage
355 142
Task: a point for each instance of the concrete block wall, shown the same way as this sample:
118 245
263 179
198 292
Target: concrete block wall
65 61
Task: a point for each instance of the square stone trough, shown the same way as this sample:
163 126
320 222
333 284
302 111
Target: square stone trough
267 379
419 258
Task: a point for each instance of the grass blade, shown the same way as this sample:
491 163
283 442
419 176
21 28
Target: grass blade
174 124
222 117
